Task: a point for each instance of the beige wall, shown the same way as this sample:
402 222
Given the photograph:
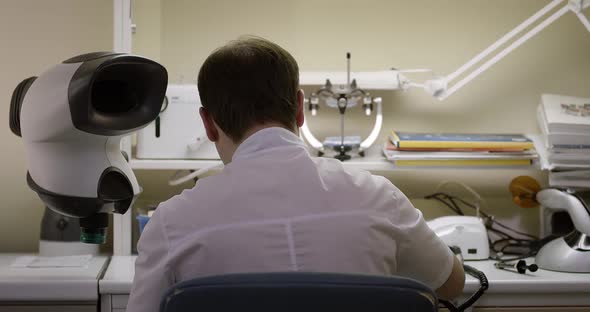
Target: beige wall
33 36
146 41
440 35
380 34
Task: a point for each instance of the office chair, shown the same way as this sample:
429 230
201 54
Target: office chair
299 291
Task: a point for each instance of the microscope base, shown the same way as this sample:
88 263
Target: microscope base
570 253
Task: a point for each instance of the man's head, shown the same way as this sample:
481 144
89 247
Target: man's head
247 85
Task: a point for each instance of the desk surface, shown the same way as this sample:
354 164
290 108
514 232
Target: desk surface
542 288
49 284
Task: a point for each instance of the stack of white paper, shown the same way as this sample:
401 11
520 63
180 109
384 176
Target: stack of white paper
564 147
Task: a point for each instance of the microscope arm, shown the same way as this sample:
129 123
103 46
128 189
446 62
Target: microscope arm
563 201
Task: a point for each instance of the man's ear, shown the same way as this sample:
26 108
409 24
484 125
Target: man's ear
210 129
300 108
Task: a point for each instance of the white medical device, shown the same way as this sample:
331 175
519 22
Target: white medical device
178 132
341 95
72 118
467 233
569 253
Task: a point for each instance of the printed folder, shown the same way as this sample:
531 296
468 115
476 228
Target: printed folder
447 140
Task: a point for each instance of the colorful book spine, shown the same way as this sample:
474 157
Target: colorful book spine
463 162
459 141
391 147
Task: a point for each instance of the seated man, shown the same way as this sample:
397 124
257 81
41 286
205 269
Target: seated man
274 207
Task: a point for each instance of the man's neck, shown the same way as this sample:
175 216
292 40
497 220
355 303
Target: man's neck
257 128
231 147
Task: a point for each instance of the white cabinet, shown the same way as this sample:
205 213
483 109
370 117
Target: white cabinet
545 291
24 289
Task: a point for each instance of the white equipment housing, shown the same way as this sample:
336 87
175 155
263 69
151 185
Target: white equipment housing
465 232
178 133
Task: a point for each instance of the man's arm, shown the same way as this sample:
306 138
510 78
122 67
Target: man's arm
453 287
422 255
152 275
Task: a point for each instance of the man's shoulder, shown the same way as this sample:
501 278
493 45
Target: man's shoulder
333 166
201 195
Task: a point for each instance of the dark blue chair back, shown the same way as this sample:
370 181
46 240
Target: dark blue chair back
299 291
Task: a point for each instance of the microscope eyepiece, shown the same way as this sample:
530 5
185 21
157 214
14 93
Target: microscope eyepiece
93 228
16 103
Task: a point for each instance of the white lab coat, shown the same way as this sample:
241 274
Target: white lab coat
275 208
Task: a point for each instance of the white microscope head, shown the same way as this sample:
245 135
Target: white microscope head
574 203
570 253
71 119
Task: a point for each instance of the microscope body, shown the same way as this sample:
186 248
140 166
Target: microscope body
72 118
569 253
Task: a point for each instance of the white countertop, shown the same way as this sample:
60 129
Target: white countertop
541 288
49 284
119 275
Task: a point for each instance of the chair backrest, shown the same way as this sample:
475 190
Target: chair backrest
299 291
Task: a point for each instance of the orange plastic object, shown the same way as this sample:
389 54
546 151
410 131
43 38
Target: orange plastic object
524 189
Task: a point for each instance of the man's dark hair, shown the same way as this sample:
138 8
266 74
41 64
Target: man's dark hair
249 81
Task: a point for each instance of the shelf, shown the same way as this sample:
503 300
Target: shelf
366 163
373 161
172 164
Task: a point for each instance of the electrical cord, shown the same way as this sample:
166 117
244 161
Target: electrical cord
437 196
487 216
510 241
484 285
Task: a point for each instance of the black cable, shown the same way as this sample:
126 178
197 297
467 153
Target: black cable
515 231
510 244
448 305
534 248
455 204
452 199
487 216
459 212
499 233
484 285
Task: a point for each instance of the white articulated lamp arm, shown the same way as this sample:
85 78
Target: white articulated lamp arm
444 87
577 7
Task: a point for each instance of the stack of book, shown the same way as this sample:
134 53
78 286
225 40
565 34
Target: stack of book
407 149
564 146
